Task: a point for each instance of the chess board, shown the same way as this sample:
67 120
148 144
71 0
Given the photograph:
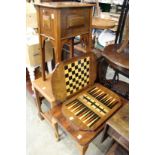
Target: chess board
73 76
76 75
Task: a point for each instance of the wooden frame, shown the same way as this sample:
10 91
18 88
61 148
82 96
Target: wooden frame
53 26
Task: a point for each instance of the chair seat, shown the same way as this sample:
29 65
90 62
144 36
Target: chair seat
100 23
120 59
44 87
82 137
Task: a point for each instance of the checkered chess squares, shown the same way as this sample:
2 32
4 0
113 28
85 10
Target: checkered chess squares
77 75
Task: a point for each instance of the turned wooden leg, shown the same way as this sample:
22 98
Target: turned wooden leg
102 71
38 103
82 149
55 127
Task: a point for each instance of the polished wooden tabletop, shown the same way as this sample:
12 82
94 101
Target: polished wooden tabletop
64 4
44 87
100 23
120 59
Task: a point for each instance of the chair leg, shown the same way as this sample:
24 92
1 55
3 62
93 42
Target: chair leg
102 71
38 103
82 149
55 127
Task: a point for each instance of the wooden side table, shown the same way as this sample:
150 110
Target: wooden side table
60 22
118 127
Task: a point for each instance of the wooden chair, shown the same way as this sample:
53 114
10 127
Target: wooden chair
79 105
117 56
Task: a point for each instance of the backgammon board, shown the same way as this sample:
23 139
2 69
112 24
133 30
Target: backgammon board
91 108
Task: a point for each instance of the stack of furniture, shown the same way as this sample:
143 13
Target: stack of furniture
78 104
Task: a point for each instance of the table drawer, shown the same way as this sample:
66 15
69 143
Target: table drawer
74 21
47 21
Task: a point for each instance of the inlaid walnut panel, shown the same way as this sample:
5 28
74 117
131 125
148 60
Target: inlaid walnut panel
47 17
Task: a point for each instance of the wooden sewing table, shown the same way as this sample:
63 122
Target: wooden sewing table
118 127
60 22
